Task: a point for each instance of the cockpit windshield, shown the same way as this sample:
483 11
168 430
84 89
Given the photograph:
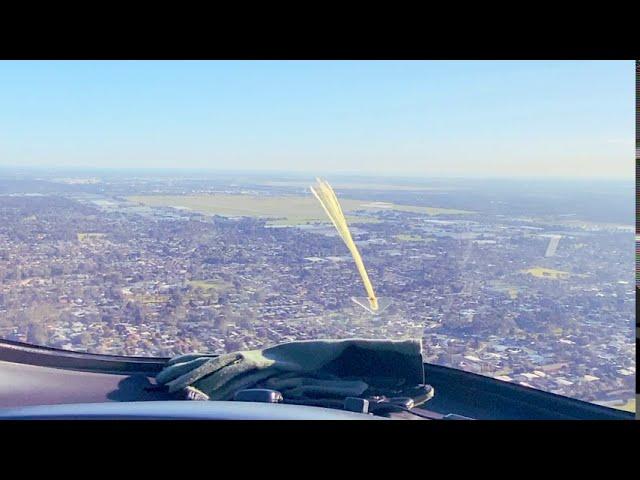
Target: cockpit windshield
486 208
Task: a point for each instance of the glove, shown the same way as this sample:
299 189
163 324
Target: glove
330 368
293 386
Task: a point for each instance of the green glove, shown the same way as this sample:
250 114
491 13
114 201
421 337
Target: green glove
315 368
293 387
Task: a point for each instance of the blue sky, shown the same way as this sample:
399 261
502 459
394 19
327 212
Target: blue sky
532 118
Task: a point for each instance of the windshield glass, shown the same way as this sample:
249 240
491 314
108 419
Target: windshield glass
159 208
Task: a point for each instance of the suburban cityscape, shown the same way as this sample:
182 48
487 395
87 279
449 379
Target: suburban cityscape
513 282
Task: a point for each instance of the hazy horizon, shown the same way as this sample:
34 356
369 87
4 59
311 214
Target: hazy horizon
426 119
402 177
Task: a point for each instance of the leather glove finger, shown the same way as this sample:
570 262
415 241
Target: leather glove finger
204 369
171 372
313 387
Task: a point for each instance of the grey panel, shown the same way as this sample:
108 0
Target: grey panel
183 410
22 384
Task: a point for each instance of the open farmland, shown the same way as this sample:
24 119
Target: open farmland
284 210
542 272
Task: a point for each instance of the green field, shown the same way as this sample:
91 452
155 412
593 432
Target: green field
82 237
408 238
209 284
282 210
541 272
628 405
510 290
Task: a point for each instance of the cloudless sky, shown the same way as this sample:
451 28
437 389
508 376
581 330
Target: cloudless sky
428 118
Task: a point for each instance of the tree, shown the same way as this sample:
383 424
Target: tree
134 313
213 296
85 339
246 318
221 323
37 334
259 296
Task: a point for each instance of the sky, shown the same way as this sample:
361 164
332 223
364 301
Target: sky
565 119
